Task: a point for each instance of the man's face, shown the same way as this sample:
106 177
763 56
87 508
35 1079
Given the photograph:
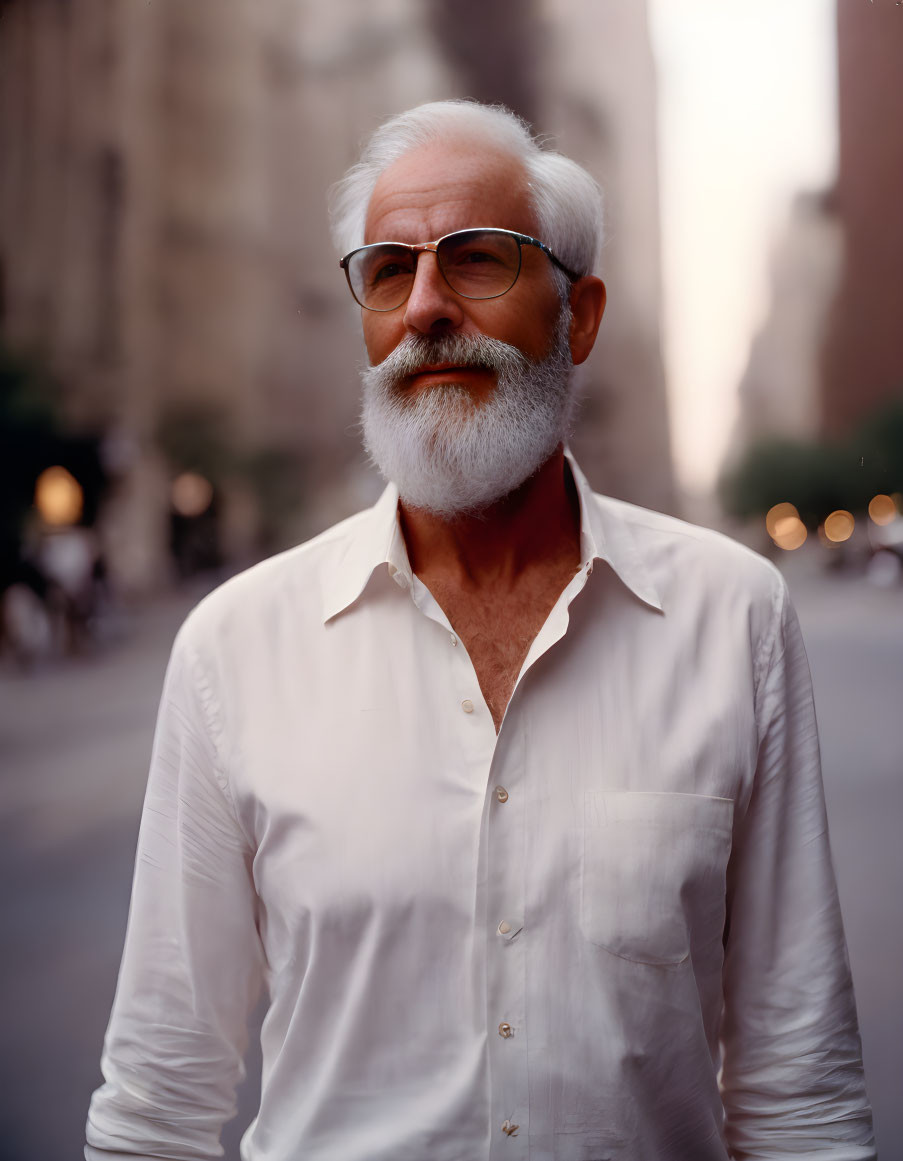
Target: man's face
464 399
433 191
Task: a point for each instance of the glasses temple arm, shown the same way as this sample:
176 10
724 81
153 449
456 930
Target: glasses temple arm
545 249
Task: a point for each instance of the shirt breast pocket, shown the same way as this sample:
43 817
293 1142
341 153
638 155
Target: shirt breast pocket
654 873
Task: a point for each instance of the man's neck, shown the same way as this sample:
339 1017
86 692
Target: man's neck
536 526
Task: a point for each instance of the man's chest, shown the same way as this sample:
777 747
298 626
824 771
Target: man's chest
498 630
383 809
382 717
379 798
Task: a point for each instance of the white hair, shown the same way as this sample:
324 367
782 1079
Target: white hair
566 200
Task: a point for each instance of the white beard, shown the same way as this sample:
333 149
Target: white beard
445 451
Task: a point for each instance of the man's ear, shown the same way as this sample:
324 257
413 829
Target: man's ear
587 307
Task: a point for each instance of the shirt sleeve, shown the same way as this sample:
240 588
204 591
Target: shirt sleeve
792 1079
192 964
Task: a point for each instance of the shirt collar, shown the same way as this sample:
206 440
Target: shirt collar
377 540
606 534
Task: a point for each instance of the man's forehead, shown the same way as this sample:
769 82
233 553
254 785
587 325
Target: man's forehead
447 185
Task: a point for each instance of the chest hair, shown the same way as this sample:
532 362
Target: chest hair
497 628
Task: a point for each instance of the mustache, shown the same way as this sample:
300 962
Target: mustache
418 351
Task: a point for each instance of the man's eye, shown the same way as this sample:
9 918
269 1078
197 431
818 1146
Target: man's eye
388 270
475 257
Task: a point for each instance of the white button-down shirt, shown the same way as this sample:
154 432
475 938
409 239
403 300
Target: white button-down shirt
542 944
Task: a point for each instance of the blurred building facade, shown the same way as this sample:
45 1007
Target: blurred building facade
863 356
830 351
781 388
164 241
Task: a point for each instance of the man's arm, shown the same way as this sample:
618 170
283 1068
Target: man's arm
191 968
792 1078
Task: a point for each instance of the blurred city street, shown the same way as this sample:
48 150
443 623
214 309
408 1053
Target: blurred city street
180 364
75 743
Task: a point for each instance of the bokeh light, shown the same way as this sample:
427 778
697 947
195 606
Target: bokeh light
839 526
58 496
785 527
191 494
789 533
882 509
777 513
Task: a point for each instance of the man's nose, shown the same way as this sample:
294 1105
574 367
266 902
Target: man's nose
432 304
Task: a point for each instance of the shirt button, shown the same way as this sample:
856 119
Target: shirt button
501 793
506 1031
504 927
454 639
467 705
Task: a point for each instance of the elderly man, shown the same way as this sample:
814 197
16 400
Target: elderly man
507 792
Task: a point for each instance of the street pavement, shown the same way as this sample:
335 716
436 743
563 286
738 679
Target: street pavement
74 744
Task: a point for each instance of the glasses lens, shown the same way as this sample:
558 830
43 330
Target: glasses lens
479 263
381 276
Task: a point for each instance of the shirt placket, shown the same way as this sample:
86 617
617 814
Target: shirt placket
507 930
496 929
501 908
498 765
506 936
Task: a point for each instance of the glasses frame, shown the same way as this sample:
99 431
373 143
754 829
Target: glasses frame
432 248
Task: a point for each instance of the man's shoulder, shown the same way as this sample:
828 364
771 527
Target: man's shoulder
678 554
291 584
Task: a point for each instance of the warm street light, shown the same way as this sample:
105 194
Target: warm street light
58 496
839 526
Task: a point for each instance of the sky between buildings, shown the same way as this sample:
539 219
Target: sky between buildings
747 116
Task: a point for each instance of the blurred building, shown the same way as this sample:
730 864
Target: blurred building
831 348
781 388
164 240
601 108
863 357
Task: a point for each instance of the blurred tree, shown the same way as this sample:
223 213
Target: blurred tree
877 449
27 433
809 475
195 437
33 437
276 478
820 476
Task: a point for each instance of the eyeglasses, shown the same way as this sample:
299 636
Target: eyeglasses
476 264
